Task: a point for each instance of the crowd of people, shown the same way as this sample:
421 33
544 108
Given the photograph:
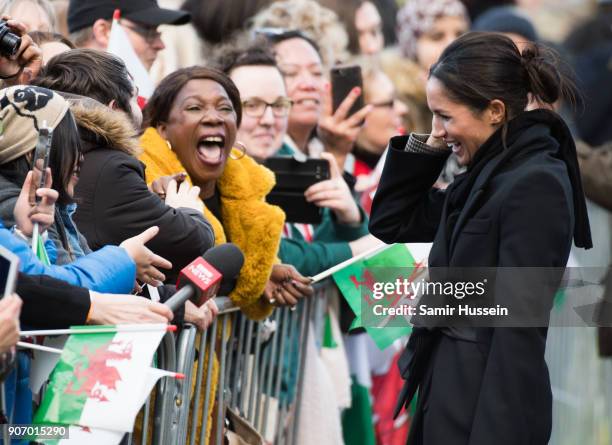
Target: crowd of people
138 186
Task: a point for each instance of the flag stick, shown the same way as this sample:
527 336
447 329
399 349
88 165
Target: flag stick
23 344
342 265
100 330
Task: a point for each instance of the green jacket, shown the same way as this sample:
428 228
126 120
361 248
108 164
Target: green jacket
329 244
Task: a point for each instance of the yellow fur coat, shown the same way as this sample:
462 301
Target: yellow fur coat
252 224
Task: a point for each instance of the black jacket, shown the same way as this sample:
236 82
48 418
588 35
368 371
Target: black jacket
483 386
115 202
51 304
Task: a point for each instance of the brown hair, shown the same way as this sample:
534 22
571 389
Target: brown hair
159 105
479 67
89 72
40 37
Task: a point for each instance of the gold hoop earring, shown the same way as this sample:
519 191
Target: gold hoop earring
169 145
238 146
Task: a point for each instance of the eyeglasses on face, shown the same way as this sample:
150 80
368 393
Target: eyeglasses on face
149 33
256 107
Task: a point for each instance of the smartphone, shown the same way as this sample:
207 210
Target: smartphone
292 179
343 79
40 162
9 265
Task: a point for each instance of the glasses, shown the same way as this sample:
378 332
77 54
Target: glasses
149 33
257 107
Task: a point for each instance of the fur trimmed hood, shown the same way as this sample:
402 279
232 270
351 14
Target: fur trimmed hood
102 127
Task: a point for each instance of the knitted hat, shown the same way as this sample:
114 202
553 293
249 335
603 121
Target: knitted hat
506 19
23 110
417 17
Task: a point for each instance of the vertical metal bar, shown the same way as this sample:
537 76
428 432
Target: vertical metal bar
209 371
301 367
166 389
5 434
239 363
284 406
254 372
285 321
221 384
185 359
247 351
269 373
145 422
198 387
260 384
230 352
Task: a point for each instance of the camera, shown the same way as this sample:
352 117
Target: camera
9 41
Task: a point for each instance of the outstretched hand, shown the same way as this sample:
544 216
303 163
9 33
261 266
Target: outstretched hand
146 261
287 286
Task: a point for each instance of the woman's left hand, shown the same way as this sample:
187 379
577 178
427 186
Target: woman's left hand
337 130
202 316
42 213
287 286
334 194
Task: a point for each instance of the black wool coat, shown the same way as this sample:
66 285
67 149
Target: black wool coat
483 386
115 202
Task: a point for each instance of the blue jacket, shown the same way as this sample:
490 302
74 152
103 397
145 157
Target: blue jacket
108 270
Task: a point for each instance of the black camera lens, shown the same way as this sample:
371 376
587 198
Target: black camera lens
9 41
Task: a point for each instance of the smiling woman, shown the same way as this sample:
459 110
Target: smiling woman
519 204
193 117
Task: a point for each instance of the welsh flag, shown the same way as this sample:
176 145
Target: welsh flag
102 380
357 279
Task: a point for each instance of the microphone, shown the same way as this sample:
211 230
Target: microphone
201 279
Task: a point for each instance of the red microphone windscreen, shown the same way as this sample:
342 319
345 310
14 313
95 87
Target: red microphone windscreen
204 277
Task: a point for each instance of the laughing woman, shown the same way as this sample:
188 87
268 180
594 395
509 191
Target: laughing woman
519 204
193 118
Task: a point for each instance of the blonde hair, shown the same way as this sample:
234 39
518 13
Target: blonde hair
7 5
317 22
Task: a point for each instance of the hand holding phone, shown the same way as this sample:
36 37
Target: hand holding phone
40 162
334 194
343 112
344 80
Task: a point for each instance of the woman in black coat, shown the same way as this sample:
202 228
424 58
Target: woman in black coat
519 205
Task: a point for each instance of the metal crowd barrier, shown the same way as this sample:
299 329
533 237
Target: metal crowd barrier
260 374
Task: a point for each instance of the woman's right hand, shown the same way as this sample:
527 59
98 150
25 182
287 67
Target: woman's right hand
160 185
185 196
126 309
10 307
146 261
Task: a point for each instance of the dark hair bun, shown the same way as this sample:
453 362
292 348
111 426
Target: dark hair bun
544 79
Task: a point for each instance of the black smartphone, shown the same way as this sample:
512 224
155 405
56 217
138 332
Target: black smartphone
343 79
40 162
292 180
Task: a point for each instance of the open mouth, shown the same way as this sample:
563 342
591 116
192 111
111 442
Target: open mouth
211 149
455 147
309 102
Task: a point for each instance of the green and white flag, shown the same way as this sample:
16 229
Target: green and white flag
78 435
356 281
102 379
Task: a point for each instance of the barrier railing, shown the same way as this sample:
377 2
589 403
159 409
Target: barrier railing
258 368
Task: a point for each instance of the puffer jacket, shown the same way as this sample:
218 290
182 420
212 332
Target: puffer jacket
109 270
